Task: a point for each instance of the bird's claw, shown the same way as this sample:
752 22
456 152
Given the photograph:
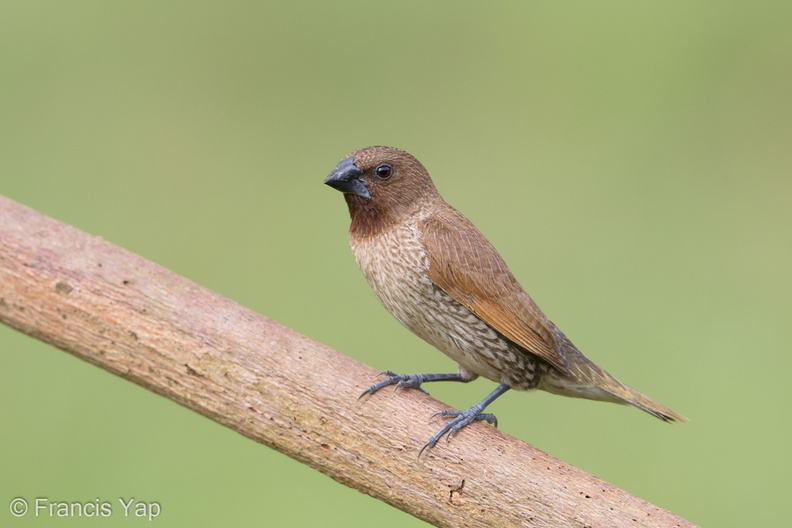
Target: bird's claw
460 419
411 381
479 417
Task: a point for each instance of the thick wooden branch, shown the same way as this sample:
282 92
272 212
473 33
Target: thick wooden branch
142 322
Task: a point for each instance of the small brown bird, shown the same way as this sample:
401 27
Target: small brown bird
442 279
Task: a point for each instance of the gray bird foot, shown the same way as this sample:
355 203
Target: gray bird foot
412 381
460 419
409 381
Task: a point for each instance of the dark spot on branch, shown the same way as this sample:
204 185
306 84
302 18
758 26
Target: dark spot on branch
458 489
63 287
192 372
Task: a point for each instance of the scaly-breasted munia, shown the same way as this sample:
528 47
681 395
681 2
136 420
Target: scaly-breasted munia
441 278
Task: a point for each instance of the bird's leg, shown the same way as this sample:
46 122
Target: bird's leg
412 381
462 418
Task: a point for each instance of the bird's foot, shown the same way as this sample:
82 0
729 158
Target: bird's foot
411 381
459 420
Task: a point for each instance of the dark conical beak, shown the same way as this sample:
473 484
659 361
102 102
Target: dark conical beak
348 179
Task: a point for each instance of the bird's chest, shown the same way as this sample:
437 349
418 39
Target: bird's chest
396 267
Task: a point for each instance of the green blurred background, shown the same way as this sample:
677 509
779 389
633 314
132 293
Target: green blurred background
631 161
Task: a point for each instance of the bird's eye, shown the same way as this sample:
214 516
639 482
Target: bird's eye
383 171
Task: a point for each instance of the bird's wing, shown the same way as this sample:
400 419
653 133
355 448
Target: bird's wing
468 268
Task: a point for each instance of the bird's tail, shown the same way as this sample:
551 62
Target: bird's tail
645 403
584 379
589 381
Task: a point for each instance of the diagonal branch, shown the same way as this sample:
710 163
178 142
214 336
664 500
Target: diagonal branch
135 319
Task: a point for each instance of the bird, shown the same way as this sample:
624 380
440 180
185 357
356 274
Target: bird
440 277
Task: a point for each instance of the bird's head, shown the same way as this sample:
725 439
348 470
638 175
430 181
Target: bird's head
382 186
